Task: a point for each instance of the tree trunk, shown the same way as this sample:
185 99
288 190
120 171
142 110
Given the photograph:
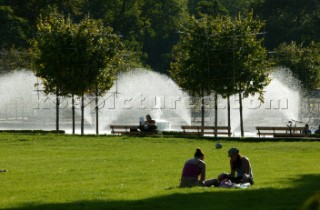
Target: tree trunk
73 116
82 114
202 113
229 116
97 110
215 114
57 110
241 115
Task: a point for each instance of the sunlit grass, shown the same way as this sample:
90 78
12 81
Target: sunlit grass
87 172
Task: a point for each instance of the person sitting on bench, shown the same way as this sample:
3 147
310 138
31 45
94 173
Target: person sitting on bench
317 131
148 125
306 130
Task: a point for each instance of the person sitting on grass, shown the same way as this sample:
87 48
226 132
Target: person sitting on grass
194 172
241 171
149 125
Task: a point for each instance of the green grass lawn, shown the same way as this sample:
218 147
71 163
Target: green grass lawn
87 172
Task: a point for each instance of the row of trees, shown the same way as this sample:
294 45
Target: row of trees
214 52
150 26
217 55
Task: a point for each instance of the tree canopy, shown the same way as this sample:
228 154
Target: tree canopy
303 61
74 57
149 27
221 55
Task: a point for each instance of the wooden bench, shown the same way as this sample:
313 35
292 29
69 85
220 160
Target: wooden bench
124 129
280 131
201 131
128 130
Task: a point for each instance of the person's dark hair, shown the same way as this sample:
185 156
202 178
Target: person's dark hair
198 153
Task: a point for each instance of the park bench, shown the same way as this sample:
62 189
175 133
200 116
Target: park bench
203 130
128 130
280 131
124 129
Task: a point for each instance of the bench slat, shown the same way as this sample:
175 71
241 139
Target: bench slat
204 127
126 129
286 131
202 130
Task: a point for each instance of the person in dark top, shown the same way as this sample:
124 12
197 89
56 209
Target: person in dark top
241 171
149 125
306 130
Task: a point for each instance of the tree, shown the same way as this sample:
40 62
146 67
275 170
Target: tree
147 27
11 28
18 25
250 66
13 40
290 20
31 10
222 55
75 58
239 7
303 61
207 7
166 18
196 60
124 16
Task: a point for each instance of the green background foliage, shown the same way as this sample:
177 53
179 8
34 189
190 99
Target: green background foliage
149 32
149 27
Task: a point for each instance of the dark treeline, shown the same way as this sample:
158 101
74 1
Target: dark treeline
151 26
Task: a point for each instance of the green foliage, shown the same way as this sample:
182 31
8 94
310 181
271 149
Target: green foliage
251 66
31 10
76 57
191 68
239 6
303 61
124 16
149 27
207 7
290 20
222 55
11 28
14 58
166 18
85 172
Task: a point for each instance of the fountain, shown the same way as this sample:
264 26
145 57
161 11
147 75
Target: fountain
137 93
157 113
25 106
140 92
282 101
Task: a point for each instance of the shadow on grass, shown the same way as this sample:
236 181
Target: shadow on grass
265 198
